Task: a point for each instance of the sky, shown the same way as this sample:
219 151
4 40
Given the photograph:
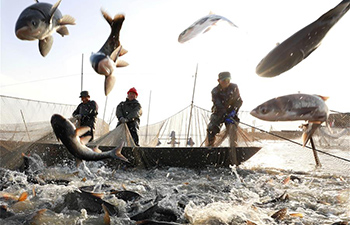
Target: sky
162 69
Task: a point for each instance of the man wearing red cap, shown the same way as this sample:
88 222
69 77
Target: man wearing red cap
129 112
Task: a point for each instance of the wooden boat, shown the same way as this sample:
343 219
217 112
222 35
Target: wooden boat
142 157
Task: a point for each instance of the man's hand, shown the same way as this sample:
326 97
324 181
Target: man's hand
230 117
230 120
232 114
123 120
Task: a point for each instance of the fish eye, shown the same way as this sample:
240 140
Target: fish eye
263 110
34 23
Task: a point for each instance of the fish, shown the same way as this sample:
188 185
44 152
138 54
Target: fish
280 214
105 60
39 21
294 107
66 132
202 25
301 44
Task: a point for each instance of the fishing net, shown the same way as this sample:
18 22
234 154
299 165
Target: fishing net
188 128
331 141
25 123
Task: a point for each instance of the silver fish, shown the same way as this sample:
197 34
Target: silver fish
301 44
105 60
39 21
295 107
201 26
69 136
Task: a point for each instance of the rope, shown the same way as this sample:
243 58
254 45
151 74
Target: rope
294 142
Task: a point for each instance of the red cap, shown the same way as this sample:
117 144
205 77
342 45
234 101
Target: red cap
133 90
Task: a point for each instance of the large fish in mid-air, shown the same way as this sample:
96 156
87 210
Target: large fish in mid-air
201 26
301 44
294 107
67 133
105 60
39 21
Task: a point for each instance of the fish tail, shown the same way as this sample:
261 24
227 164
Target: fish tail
117 23
116 153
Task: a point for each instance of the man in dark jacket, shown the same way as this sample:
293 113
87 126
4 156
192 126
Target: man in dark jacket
86 113
129 112
226 103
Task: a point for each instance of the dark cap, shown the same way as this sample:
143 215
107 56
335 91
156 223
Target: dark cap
84 94
224 75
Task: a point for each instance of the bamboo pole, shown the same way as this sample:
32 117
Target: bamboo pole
194 88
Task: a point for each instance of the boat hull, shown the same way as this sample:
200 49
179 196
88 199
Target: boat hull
144 157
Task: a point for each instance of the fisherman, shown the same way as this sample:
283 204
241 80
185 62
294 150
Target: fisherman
226 103
86 114
129 112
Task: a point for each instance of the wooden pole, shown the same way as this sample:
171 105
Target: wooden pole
149 107
25 124
317 160
82 72
194 88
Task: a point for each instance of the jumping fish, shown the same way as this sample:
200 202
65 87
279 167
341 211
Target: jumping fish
69 135
301 44
201 26
294 107
39 21
104 61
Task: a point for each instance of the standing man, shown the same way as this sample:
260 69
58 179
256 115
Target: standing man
86 113
226 103
129 112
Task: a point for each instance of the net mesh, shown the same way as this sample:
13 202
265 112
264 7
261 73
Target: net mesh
25 122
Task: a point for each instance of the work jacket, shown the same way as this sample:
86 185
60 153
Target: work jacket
88 112
226 100
130 110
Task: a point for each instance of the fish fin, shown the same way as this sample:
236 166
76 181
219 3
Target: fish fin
122 63
117 153
206 30
62 30
305 56
118 17
23 197
81 130
300 215
53 10
45 45
106 217
37 215
98 195
116 53
97 150
109 83
78 161
106 16
85 139
67 20
324 98
123 52
33 191
308 130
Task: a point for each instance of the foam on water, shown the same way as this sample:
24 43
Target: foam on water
210 196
